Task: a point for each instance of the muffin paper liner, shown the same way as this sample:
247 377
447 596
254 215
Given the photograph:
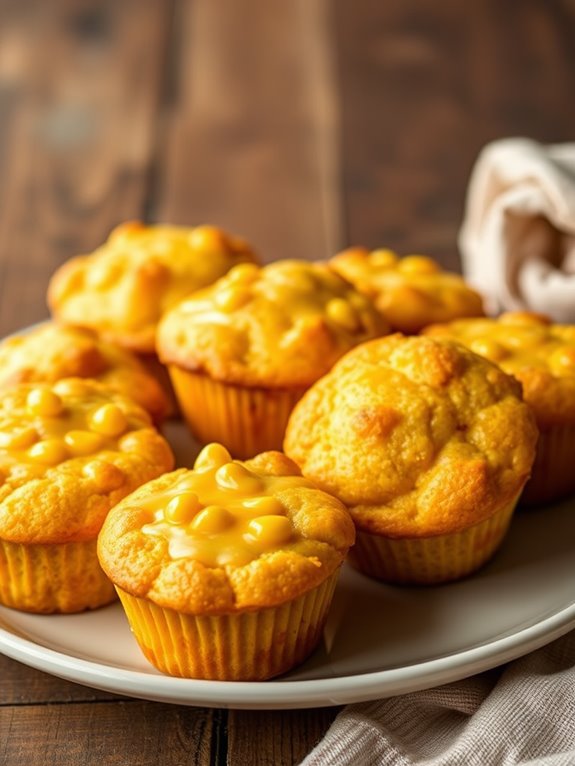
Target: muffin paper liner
553 472
245 420
430 560
52 578
246 646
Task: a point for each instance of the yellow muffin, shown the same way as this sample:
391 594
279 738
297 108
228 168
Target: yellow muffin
410 292
122 289
428 444
242 352
541 356
227 571
50 352
68 453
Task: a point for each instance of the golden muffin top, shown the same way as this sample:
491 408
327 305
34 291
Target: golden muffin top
410 292
417 436
225 536
122 289
69 451
526 345
51 351
281 325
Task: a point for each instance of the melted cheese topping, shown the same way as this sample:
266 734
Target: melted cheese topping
410 292
56 423
222 513
125 286
517 341
283 324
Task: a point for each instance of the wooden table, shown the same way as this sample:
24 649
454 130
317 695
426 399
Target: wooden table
302 125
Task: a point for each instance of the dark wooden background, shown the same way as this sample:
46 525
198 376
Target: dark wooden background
302 125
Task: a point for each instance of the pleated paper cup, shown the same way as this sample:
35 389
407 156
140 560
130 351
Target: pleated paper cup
48 579
246 420
430 560
243 646
553 472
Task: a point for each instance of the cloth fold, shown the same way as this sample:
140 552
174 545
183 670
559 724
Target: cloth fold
517 240
522 713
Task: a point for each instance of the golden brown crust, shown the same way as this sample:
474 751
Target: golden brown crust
123 288
280 326
418 437
140 563
68 501
51 351
410 292
539 354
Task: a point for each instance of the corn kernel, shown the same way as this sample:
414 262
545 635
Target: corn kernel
341 312
44 402
108 420
264 506
244 272
21 439
212 456
107 476
524 319
383 258
48 452
70 387
490 349
103 274
212 520
418 264
206 238
270 531
231 298
83 442
293 274
182 508
234 476
563 360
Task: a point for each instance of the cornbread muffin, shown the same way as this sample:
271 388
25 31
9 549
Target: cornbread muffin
541 356
50 352
428 444
410 292
122 289
69 451
227 571
241 352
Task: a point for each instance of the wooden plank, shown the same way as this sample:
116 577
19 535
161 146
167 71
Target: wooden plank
423 87
20 685
250 141
114 734
283 737
79 90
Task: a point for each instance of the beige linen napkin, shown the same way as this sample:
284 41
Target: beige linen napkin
523 713
517 240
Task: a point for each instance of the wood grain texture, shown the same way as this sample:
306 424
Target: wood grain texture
423 87
79 90
250 141
114 734
283 737
21 685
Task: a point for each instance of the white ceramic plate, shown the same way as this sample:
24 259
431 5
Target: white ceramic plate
379 640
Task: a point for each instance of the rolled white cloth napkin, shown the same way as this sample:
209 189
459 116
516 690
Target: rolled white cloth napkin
523 714
517 240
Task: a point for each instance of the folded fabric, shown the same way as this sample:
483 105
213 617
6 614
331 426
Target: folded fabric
523 713
517 240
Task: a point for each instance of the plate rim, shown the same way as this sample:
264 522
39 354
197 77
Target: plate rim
287 694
